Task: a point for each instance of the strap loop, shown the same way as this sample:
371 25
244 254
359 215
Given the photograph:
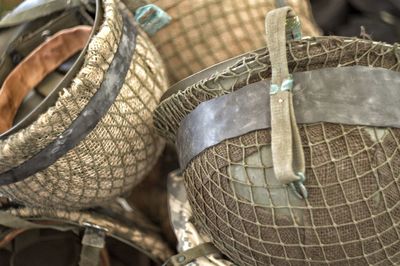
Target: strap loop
287 150
93 242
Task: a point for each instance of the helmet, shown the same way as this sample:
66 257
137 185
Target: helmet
104 235
84 134
290 154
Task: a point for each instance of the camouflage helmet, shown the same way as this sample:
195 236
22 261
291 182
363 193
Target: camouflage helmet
290 155
84 134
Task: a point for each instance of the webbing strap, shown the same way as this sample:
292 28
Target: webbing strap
190 255
287 150
93 242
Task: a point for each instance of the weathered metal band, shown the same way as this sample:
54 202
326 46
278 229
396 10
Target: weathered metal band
88 118
183 84
349 95
206 73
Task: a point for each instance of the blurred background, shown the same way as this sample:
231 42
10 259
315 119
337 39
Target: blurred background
7 5
380 18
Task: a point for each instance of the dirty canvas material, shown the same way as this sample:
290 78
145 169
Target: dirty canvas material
205 32
343 209
84 134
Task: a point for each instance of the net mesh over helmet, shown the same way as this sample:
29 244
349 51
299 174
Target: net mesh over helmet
205 32
119 151
351 215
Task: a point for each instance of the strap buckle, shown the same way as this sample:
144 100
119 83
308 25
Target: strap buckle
298 186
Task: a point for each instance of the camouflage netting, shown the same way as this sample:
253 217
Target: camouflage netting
352 214
118 152
307 54
205 32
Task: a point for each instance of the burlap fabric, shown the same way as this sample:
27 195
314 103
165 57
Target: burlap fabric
119 224
205 32
351 215
118 152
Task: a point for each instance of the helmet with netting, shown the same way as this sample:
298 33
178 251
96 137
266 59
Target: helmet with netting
80 80
205 32
116 234
293 169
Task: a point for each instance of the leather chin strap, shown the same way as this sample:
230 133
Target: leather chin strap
35 67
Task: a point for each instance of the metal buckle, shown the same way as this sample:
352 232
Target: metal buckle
298 186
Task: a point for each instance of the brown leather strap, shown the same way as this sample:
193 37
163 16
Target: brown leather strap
35 67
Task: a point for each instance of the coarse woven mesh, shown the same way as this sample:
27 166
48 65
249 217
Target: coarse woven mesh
117 153
307 54
205 32
352 213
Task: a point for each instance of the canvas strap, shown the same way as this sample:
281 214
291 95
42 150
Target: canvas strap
190 255
93 242
287 150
